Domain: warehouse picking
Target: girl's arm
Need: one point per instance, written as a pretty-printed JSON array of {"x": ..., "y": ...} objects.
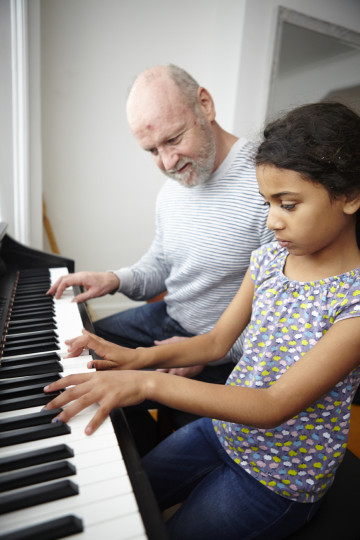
[
  {"x": 329, "y": 361},
  {"x": 188, "y": 352},
  {"x": 315, "y": 374}
]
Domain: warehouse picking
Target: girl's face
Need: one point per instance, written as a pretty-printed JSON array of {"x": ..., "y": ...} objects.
[{"x": 302, "y": 215}]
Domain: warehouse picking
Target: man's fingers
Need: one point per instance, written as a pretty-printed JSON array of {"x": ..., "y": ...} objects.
[
  {"x": 82, "y": 297},
  {"x": 59, "y": 287}
]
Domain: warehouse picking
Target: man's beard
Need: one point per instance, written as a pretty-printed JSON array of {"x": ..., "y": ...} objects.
[{"x": 201, "y": 169}]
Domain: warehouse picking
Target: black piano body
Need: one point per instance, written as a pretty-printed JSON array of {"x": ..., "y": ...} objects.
[{"x": 14, "y": 258}]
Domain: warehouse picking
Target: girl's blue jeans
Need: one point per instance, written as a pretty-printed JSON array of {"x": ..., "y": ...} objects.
[{"x": 220, "y": 500}]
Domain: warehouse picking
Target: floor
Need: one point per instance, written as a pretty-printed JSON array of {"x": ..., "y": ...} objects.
[{"x": 354, "y": 435}]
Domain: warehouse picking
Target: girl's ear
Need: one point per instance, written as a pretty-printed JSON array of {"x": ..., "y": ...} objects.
[{"x": 352, "y": 204}]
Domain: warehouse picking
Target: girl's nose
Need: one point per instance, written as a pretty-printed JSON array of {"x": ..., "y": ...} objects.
[{"x": 274, "y": 221}]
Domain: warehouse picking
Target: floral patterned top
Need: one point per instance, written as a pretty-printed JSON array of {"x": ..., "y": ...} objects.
[{"x": 297, "y": 459}]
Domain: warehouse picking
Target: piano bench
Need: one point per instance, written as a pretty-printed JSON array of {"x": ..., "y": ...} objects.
[{"x": 338, "y": 515}]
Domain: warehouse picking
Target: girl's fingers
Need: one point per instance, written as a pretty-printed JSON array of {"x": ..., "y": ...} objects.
[
  {"x": 72, "y": 410},
  {"x": 76, "y": 345},
  {"x": 79, "y": 405},
  {"x": 92, "y": 340},
  {"x": 99, "y": 417},
  {"x": 101, "y": 365},
  {"x": 69, "y": 380},
  {"x": 85, "y": 341},
  {"x": 71, "y": 394},
  {"x": 103, "y": 388}
]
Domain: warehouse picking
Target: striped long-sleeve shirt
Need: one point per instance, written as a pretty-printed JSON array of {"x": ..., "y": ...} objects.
[{"x": 203, "y": 241}]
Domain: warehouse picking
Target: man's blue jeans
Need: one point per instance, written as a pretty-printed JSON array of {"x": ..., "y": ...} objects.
[
  {"x": 220, "y": 500},
  {"x": 140, "y": 326}
]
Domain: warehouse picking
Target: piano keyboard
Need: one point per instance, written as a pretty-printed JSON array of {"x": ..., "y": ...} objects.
[{"x": 89, "y": 473}]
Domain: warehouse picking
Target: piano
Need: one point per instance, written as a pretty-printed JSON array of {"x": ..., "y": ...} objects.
[{"x": 56, "y": 482}]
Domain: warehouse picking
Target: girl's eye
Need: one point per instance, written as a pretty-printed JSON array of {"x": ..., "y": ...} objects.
[{"x": 288, "y": 206}]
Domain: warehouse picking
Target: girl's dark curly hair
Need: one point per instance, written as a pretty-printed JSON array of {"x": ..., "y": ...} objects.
[{"x": 321, "y": 141}]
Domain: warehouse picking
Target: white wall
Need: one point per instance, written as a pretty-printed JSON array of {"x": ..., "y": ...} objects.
[
  {"x": 258, "y": 40},
  {"x": 99, "y": 186},
  {"x": 6, "y": 133},
  {"x": 315, "y": 82},
  {"x": 20, "y": 114}
]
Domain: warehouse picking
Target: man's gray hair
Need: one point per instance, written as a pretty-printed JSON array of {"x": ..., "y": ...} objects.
[{"x": 186, "y": 84}]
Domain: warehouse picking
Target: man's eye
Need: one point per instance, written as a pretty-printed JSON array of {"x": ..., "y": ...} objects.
[
  {"x": 288, "y": 206},
  {"x": 153, "y": 151},
  {"x": 174, "y": 140}
]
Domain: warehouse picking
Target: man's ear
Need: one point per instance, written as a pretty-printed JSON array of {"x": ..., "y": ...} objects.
[
  {"x": 352, "y": 204},
  {"x": 206, "y": 103}
]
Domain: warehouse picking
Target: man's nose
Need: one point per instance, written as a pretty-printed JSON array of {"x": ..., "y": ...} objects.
[{"x": 168, "y": 158}]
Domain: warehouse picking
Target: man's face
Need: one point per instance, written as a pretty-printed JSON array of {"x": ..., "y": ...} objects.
[{"x": 180, "y": 140}]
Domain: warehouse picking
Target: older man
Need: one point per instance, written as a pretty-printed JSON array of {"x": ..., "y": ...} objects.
[{"x": 209, "y": 217}]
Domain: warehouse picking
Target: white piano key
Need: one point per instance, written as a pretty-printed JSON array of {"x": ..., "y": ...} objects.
[
  {"x": 96, "y": 504},
  {"x": 106, "y": 502},
  {"x": 128, "y": 525}
]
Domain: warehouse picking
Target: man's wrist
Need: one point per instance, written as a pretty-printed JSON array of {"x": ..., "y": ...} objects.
[
  {"x": 116, "y": 281},
  {"x": 126, "y": 280}
]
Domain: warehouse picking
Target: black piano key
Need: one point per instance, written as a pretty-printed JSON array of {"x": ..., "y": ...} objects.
[
  {"x": 44, "y": 379},
  {"x": 29, "y": 349},
  {"x": 13, "y": 341},
  {"x": 28, "y": 420},
  {"x": 37, "y": 495},
  {"x": 33, "y": 433},
  {"x": 35, "y": 273},
  {"x": 27, "y": 293},
  {"x": 37, "y": 286},
  {"x": 32, "y": 308},
  {"x": 24, "y": 288},
  {"x": 30, "y": 317},
  {"x": 24, "y": 359},
  {"x": 26, "y": 401},
  {"x": 41, "y": 312},
  {"x": 31, "y": 368},
  {"x": 48, "y": 530},
  {"x": 40, "y": 315},
  {"x": 33, "y": 284},
  {"x": 25, "y": 285},
  {"x": 35, "y": 457},
  {"x": 19, "y": 329},
  {"x": 36, "y": 475},
  {"x": 31, "y": 338},
  {"x": 45, "y": 300},
  {"x": 21, "y": 391}
]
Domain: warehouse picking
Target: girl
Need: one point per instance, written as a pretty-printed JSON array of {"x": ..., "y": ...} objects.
[{"x": 280, "y": 428}]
